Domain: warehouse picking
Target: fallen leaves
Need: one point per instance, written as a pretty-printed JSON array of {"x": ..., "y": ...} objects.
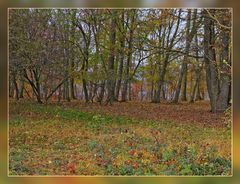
[
  {"x": 71, "y": 167},
  {"x": 124, "y": 146}
]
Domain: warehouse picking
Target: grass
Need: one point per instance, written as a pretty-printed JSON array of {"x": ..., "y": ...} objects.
[{"x": 57, "y": 140}]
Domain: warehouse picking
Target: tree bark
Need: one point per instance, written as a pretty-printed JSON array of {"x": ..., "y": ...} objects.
[
  {"x": 85, "y": 90},
  {"x": 225, "y": 80},
  {"x": 129, "y": 59},
  {"x": 21, "y": 86},
  {"x": 111, "y": 78},
  {"x": 184, "y": 87},
  {"x": 101, "y": 93},
  {"x": 210, "y": 62},
  {"x": 16, "y": 87},
  {"x": 121, "y": 53}
]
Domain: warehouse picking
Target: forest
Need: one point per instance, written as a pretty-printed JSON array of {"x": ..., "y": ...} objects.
[{"x": 110, "y": 91}]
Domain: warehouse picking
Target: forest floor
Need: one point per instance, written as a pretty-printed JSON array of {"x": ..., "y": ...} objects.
[{"x": 132, "y": 138}]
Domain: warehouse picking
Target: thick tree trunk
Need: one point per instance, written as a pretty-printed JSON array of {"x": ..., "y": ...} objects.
[
  {"x": 158, "y": 91},
  {"x": 111, "y": 78},
  {"x": 159, "y": 83},
  {"x": 225, "y": 80},
  {"x": 125, "y": 84},
  {"x": 161, "y": 80},
  {"x": 210, "y": 62},
  {"x": 129, "y": 60},
  {"x": 121, "y": 59},
  {"x": 218, "y": 90}
]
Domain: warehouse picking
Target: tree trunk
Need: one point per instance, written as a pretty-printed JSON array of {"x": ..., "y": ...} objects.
[
  {"x": 225, "y": 80},
  {"x": 72, "y": 88},
  {"x": 101, "y": 93},
  {"x": 21, "y": 86},
  {"x": 218, "y": 89},
  {"x": 199, "y": 95},
  {"x": 129, "y": 91},
  {"x": 11, "y": 88},
  {"x": 184, "y": 87},
  {"x": 129, "y": 60},
  {"x": 121, "y": 53},
  {"x": 111, "y": 78},
  {"x": 85, "y": 90},
  {"x": 16, "y": 87},
  {"x": 38, "y": 89},
  {"x": 210, "y": 62},
  {"x": 196, "y": 88}
]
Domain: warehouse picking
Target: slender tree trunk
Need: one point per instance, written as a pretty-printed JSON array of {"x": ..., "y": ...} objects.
[
  {"x": 189, "y": 37},
  {"x": 16, "y": 87},
  {"x": 141, "y": 90},
  {"x": 85, "y": 90},
  {"x": 59, "y": 94},
  {"x": 159, "y": 85},
  {"x": 196, "y": 87},
  {"x": 11, "y": 88},
  {"x": 21, "y": 86},
  {"x": 85, "y": 69},
  {"x": 72, "y": 57},
  {"x": 38, "y": 88},
  {"x": 184, "y": 87},
  {"x": 101, "y": 93},
  {"x": 72, "y": 88},
  {"x": 169, "y": 44},
  {"x": 158, "y": 91},
  {"x": 151, "y": 93},
  {"x": 129, "y": 91}
]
